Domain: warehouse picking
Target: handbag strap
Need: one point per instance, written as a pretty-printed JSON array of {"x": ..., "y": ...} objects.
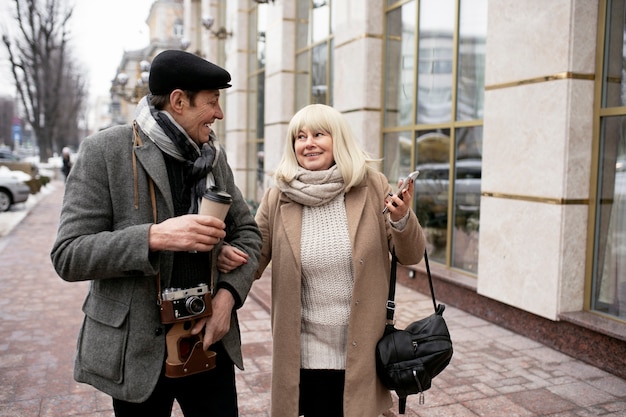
[{"x": 391, "y": 305}]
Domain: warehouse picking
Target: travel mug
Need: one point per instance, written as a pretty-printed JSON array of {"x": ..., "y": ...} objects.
[{"x": 215, "y": 203}]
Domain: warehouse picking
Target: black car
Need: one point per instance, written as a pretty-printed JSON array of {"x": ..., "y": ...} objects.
[{"x": 431, "y": 189}]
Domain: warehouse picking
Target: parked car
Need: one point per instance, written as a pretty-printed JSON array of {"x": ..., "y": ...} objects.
[
  {"x": 8, "y": 155},
  {"x": 13, "y": 161},
  {"x": 13, "y": 189}
]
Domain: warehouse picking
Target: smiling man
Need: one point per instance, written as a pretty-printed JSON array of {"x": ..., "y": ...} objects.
[{"x": 160, "y": 320}]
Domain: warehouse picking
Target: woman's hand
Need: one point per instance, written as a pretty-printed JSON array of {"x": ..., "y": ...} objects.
[
  {"x": 230, "y": 258},
  {"x": 399, "y": 207}
]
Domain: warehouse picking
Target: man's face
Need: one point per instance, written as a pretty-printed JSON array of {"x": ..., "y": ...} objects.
[{"x": 197, "y": 117}]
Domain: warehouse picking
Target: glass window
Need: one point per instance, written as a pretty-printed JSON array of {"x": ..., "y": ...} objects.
[
  {"x": 319, "y": 86},
  {"x": 613, "y": 88},
  {"x": 397, "y": 162},
  {"x": 256, "y": 105},
  {"x": 432, "y": 188},
  {"x": 434, "y": 82},
  {"x": 400, "y": 57},
  {"x": 313, "y": 56},
  {"x": 609, "y": 285},
  {"x": 178, "y": 29},
  {"x": 471, "y": 66},
  {"x": 466, "y": 210},
  {"x": 445, "y": 144},
  {"x": 608, "y": 289},
  {"x": 320, "y": 21}
]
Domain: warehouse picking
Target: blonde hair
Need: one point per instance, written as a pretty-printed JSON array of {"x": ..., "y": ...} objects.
[{"x": 351, "y": 160}]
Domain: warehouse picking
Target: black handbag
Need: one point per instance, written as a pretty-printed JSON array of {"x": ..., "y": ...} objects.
[{"x": 407, "y": 360}]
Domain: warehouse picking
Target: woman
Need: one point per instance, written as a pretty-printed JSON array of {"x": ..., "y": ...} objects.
[{"x": 324, "y": 229}]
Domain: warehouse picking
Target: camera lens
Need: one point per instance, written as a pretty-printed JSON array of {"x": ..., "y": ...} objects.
[{"x": 194, "y": 304}]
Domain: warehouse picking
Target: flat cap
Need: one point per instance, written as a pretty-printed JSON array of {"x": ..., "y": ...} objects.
[{"x": 174, "y": 69}]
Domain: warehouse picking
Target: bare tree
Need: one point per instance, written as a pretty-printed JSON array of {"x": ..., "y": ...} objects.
[
  {"x": 71, "y": 124},
  {"x": 48, "y": 85}
]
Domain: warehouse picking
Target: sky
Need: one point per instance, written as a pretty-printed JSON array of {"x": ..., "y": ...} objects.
[{"x": 100, "y": 32}]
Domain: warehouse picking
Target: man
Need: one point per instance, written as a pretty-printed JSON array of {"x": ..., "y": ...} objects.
[{"x": 108, "y": 234}]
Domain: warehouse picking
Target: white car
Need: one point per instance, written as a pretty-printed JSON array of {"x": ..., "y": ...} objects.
[{"x": 13, "y": 189}]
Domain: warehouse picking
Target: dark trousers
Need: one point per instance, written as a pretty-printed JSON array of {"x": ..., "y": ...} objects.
[
  {"x": 321, "y": 392},
  {"x": 207, "y": 394}
]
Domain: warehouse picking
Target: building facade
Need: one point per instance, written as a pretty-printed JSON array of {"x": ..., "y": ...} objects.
[{"x": 511, "y": 111}]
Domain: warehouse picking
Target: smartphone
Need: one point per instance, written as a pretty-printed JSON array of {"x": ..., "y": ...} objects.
[{"x": 405, "y": 184}]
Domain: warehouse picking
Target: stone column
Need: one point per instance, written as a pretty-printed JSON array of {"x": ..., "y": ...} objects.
[{"x": 538, "y": 128}]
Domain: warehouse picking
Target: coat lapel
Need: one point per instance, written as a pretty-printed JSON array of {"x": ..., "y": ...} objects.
[
  {"x": 150, "y": 158},
  {"x": 355, "y": 203},
  {"x": 292, "y": 215}
]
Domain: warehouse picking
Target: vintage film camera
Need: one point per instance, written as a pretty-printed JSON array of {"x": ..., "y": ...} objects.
[
  {"x": 181, "y": 307},
  {"x": 185, "y": 304}
]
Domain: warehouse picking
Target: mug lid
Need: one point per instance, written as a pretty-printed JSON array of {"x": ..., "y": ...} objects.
[{"x": 217, "y": 196}]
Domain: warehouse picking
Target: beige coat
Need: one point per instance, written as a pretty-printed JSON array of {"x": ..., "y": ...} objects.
[{"x": 280, "y": 221}]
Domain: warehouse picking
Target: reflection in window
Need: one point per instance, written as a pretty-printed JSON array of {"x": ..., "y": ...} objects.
[
  {"x": 466, "y": 209},
  {"x": 321, "y": 19},
  {"x": 436, "y": 29},
  {"x": 609, "y": 289},
  {"x": 400, "y": 56},
  {"x": 319, "y": 85},
  {"x": 397, "y": 161},
  {"x": 471, "y": 65},
  {"x": 432, "y": 188},
  {"x": 178, "y": 29},
  {"x": 313, "y": 58},
  {"x": 256, "y": 105},
  {"x": 609, "y": 275},
  {"x": 419, "y": 95},
  {"x": 613, "y": 88}
]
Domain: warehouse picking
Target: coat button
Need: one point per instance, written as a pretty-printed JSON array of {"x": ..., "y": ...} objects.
[
  {"x": 158, "y": 331},
  {"x": 354, "y": 344}
]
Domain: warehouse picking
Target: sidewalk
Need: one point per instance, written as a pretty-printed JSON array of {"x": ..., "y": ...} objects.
[{"x": 494, "y": 372}]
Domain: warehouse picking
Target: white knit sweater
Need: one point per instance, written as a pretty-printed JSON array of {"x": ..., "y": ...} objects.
[{"x": 327, "y": 282}]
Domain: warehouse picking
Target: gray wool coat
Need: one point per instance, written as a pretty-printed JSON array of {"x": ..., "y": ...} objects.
[{"x": 103, "y": 238}]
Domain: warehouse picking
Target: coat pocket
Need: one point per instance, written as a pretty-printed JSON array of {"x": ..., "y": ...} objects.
[{"x": 104, "y": 336}]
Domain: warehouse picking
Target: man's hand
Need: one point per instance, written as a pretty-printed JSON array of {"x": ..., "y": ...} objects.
[
  {"x": 191, "y": 232},
  {"x": 216, "y": 325}
]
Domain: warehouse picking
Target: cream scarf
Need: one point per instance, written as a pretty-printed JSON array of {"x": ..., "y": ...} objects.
[{"x": 313, "y": 188}]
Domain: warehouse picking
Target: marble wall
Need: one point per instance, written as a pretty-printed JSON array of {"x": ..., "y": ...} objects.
[{"x": 537, "y": 154}]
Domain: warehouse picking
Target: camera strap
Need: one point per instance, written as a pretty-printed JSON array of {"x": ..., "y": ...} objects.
[{"x": 138, "y": 142}]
